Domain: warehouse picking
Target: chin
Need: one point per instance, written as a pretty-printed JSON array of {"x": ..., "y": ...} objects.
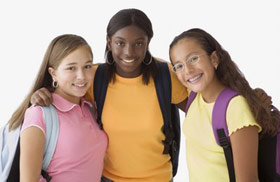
[{"x": 195, "y": 89}]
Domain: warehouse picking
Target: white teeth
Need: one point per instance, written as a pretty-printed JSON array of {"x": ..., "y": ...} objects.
[
  {"x": 195, "y": 78},
  {"x": 79, "y": 85},
  {"x": 128, "y": 60}
]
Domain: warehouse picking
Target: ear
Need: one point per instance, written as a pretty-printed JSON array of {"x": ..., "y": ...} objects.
[
  {"x": 214, "y": 59},
  {"x": 52, "y": 73},
  {"x": 108, "y": 43}
]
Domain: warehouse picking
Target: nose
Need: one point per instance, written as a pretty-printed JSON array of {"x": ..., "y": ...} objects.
[
  {"x": 80, "y": 74},
  {"x": 188, "y": 69},
  {"x": 128, "y": 51}
]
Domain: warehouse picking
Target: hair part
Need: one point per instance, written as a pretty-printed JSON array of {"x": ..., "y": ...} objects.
[
  {"x": 122, "y": 19},
  {"x": 230, "y": 75},
  {"x": 59, "y": 48}
]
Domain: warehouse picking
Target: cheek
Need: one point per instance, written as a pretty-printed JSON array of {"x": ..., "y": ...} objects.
[
  {"x": 64, "y": 76},
  {"x": 181, "y": 78},
  {"x": 210, "y": 72},
  {"x": 89, "y": 75}
]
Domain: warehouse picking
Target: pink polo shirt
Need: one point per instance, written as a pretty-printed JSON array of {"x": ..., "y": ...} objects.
[{"x": 81, "y": 145}]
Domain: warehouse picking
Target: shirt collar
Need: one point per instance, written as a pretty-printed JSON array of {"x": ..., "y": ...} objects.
[{"x": 64, "y": 105}]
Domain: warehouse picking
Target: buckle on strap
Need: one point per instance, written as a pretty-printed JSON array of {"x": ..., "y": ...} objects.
[{"x": 224, "y": 142}]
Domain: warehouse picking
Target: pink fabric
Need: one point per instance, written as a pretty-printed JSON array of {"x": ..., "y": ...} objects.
[{"x": 81, "y": 144}]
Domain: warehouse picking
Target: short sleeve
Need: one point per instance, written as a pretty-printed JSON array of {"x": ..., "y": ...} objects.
[
  {"x": 34, "y": 117},
  {"x": 179, "y": 91},
  {"x": 239, "y": 115}
]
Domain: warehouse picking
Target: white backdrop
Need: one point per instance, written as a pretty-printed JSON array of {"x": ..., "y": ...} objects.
[{"x": 249, "y": 30}]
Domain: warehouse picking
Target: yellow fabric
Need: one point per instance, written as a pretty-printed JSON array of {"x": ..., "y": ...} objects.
[
  {"x": 133, "y": 121},
  {"x": 205, "y": 158}
]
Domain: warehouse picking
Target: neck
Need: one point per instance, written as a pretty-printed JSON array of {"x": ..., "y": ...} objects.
[
  {"x": 213, "y": 90},
  {"x": 75, "y": 100}
]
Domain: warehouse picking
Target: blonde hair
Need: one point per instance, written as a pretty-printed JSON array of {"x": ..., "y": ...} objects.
[{"x": 58, "y": 49}]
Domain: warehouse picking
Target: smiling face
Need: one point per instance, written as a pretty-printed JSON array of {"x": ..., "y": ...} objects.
[
  {"x": 199, "y": 76},
  {"x": 74, "y": 75},
  {"x": 129, "y": 46}
]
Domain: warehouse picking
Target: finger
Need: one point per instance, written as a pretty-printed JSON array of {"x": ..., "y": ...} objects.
[
  {"x": 46, "y": 92},
  {"x": 37, "y": 101},
  {"x": 44, "y": 99}
]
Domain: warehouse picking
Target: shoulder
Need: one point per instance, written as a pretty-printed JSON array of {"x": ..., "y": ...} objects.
[
  {"x": 34, "y": 117},
  {"x": 238, "y": 103},
  {"x": 34, "y": 111},
  {"x": 239, "y": 114}
]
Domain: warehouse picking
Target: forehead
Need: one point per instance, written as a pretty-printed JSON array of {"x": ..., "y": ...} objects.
[
  {"x": 184, "y": 48},
  {"x": 79, "y": 55},
  {"x": 188, "y": 44},
  {"x": 130, "y": 32}
]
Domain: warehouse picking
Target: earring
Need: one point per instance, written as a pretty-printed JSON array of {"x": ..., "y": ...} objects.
[
  {"x": 54, "y": 84},
  {"x": 106, "y": 58},
  {"x": 151, "y": 59},
  {"x": 216, "y": 67}
]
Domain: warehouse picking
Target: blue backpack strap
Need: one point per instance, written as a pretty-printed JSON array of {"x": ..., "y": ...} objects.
[
  {"x": 52, "y": 131},
  {"x": 101, "y": 82},
  {"x": 190, "y": 100},
  {"x": 220, "y": 129},
  {"x": 9, "y": 154},
  {"x": 170, "y": 113}
]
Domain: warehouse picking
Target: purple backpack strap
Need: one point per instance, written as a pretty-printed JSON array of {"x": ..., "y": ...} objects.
[
  {"x": 190, "y": 100},
  {"x": 220, "y": 111}
]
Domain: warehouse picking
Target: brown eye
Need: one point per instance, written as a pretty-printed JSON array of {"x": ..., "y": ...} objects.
[
  {"x": 119, "y": 43},
  {"x": 193, "y": 60},
  {"x": 139, "y": 44}
]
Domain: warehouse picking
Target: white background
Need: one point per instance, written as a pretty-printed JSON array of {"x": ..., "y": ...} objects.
[{"x": 249, "y": 30}]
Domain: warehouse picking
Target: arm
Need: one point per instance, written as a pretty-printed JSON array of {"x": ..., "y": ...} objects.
[
  {"x": 245, "y": 153},
  {"x": 32, "y": 142},
  {"x": 41, "y": 97}
]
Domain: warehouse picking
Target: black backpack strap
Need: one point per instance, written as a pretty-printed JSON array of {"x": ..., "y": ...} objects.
[
  {"x": 224, "y": 142},
  {"x": 14, "y": 172},
  {"x": 170, "y": 113},
  {"x": 163, "y": 89},
  {"x": 101, "y": 82},
  {"x": 46, "y": 175}
]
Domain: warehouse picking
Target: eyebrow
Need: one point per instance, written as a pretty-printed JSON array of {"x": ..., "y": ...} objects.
[
  {"x": 187, "y": 57},
  {"x": 140, "y": 38},
  {"x": 69, "y": 64}
]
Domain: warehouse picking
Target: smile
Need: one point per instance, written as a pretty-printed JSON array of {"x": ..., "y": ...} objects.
[
  {"x": 80, "y": 85},
  {"x": 128, "y": 60},
  {"x": 193, "y": 79}
]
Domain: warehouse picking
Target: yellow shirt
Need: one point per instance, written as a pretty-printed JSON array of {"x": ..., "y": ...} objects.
[
  {"x": 205, "y": 158},
  {"x": 133, "y": 122}
]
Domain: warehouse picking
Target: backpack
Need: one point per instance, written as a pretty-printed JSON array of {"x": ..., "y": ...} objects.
[
  {"x": 170, "y": 113},
  {"x": 269, "y": 147},
  {"x": 10, "y": 147}
]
